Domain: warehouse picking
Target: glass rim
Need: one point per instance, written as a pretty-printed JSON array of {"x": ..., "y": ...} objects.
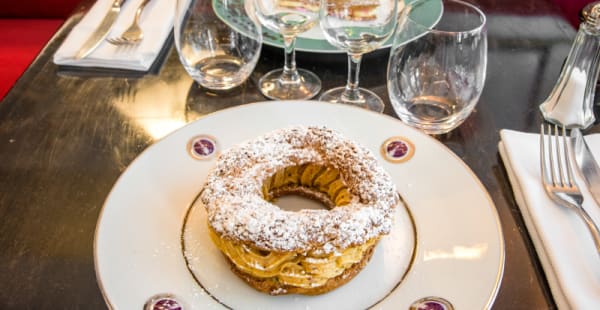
[{"x": 432, "y": 29}]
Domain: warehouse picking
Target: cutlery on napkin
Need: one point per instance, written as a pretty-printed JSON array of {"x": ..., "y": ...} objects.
[
  {"x": 101, "y": 31},
  {"x": 564, "y": 246},
  {"x": 587, "y": 164},
  {"x": 156, "y": 22}
]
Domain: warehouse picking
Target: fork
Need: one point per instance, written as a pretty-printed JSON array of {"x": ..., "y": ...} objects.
[
  {"x": 558, "y": 181},
  {"x": 133, "y": 34}
]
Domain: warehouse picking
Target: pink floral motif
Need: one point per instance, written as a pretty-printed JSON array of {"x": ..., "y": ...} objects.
[
  {"x": 397, "y": 149},
  {"x": 431, "y": 303},
  {"x": 204, "y": 147},
  {"x": 166, "y": 304}
]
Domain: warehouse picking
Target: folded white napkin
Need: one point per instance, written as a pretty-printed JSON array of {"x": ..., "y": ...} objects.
[
  {"x": 561, "y": 239},
  {"x": 156, "y": 21}
]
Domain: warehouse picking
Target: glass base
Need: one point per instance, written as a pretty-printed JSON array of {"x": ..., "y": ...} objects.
[
  {"x": 367, "y": 99},
  {"x": 433, "y": 128},
  {"x": 433, "y": 114},
  {"x": 273, "y": 87}
]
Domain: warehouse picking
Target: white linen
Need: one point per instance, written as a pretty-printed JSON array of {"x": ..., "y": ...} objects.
[
  {"x": 561, "y": 239},
  {"x": 156, "y": 22}
]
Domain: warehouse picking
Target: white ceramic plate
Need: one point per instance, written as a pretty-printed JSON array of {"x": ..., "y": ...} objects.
[{"x": 459, "y": 252}]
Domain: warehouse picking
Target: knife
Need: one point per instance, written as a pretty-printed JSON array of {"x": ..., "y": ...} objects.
[
  {"x": 587, "y": 164},
  {"x": 100, "y": 33}
]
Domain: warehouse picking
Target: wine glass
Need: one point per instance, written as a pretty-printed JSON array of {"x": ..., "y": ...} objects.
[
  {"x": 289, "y": 19},
  {"x": 436, "y": 75},
  {"x": 218, "y": 41},
  {"x": 358, "y": 27}
]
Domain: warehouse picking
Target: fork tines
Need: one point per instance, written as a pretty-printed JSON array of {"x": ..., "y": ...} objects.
[{"x": 554, "y": 148}]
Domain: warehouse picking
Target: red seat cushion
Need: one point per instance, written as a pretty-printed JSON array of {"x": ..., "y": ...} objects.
[
  {"x": 37, "y": 8},
  {"x": 22, "y": 40},
  {"x": 570, "y": 9}
]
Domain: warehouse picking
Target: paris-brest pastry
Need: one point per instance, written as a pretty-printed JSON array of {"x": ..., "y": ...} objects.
[{"x": 308, "y": 251}]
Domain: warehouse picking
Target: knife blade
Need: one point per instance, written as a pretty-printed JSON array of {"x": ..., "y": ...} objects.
[
  {"x": 101, "y": 32},
  {"x": 587, "y": 164}
]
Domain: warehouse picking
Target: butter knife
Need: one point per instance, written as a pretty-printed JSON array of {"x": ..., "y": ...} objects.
[
  {"x": 100, "y": 33},
  {"x": 587, "y": 164}
]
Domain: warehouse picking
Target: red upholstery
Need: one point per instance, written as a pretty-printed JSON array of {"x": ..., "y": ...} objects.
[
  {"x": 37, "y": 8},
  {"x": 571, "y": 8},
  {"x": 22, "y": 40},
  {"x": 25, "y": 28}
]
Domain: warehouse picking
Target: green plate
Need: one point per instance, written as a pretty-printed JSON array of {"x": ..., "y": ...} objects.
[{"x": 313, "y": 41}]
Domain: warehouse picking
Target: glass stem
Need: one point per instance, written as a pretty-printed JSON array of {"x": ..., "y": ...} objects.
[
  {"x": 351, "y": 93},
  {"x": 290, "y": 73}
]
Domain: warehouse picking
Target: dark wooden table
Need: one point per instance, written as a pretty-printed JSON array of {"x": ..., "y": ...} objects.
[{"x": 66, "y": 136}]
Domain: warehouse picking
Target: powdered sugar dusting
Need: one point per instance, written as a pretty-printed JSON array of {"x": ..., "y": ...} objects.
[{"x": 236, "y": 209}]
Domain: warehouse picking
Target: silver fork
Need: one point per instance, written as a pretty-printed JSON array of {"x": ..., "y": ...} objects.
[
  {"x": 133, "y": 34},
  {"x": 557, "y": 177}
]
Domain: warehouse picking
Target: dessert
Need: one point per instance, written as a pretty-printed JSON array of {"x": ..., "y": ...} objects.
[
  {"x": 308, "y": 251},
  {"x": 361, "y": 10},
  {"x": 354, "y": 9}
]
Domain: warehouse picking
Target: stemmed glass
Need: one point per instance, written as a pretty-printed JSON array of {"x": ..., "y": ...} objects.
[
  {"x": 358, "y": 27},
  {"x": 289, "y": 20}
]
